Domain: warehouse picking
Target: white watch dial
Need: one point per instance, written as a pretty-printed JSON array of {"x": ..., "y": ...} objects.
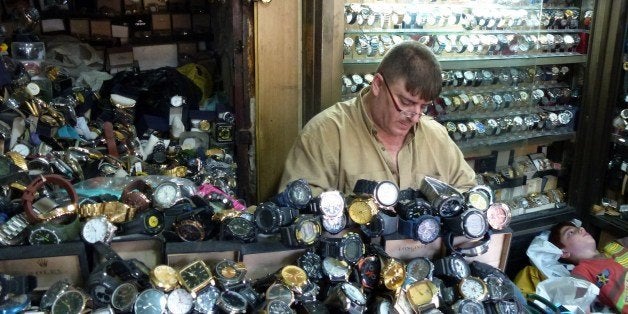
[
  {"x": 180, "y": 301},
  {"x": 166, "y": 194},
  {"x": 21, "y": 149},
  {"x": 94, "y": 230}
]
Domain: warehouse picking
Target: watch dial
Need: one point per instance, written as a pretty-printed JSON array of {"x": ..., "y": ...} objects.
[
  {"x": 353, "y": 293},
  {"x": 48, "y": 298},
  {"x": 332, "y": 203},
  {"x": 95, "y": 230},
  {"x": 506, "y": 307},
  {"x": 150, "y": 301},
  {"x": 278, "y": 307},
  {"x": 69, "y": 302},
  {"x": 386, "y": 193},
  {"x": 300, "y": 193},
  {"x": 460, "y": 267},
  {"x": 420, "y": 293},
  {"x": 279, "y": 291},
  {"x": 475, "y": 224},
  {"x": 370, "y": 268},
  {"x": 418, "y": 269},
  {"x": 229, "y": 270},
  {"x": 124, "y": 296},
  {"x": 190, "y": 231},
  {"x": 450, "y": 207},
  {"x": 353, "y": 248},
  {"x": 335, "y": 268},
  {"x": 308, "y": 232},
  {"x": 180, "y": 301},
  {"x": 154, "y": 224},
  {"x": 311, "y": 263},
  {"x": 473, "y": 288},
  {"x": 471, "y": 307},
  {"x": 265, "y": 218},
  {"x": 166, "y": 194},
  {"x": 478, "y": 200},
  {"x": 239, "y": 226},
  {"x": 206, "y": 301},
  {"x": 498, "y": 216},
  {"x": 43, "y": 236},
  {"x": 428, "y": 230},
  {"x": 195, "y": 275}
]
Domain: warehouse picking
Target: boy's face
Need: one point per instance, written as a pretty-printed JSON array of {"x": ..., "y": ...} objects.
[{"x": 576, "y": 240}]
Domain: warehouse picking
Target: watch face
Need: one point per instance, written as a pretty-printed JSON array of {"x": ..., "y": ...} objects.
[
  {"x": 335, "y": 268},
  {"x": 418, "y": 269},
  {"x": 420, "y": 292},
  {"x": 230, "y": 271},
  {"x": 267, "y": 217},
  {"x": 49, "y": 296},
  {"x": 150, "y": 301},
  {"x": 332, "y": 203},
  {"x": 166, "y": 194},
  {"x": 311, "y": 263},
  {"x": 69, "y": 302},
  {"x": 308, "y": 231},
  {"x": 195, "y": 276},
  {"x": 473, "y": 288},
  {"x": 394, "y": 274},
  {"x": 95, "y": 229},
  {"x": 180, "y": 301},
  {"x": 386, "y": 193},
  {"x": 506, "y": 307},
  {"x": 294, "y": 277},
  {"x": 164, "y": 277},
  {"x": 353, "y": 293},
  {"x": 475, "y": 224},
  {"x": 353, "y": 247},
  {"x": 428, "y": 230},
  {"x": 478, "y": 200},
  {"x": 460, "y": 267},
  {"x": 21, "y": 149},
  {"x": 154, "y": 223},
  {"x": 43, "y": 236},
  {"x": 240, "y": 227},
  {"x": 498, "y": 216},
  {"x": 370, "y": 268},
  {"x": 124, "y": 296},
  {"x": 190, "y": 230},
  {"x": 279, "y": 291},
  {"x": 232, "y": 301},
  {"x": 278, "y": 307},
  {"x": 300, "y": 193},
  {"x": 206, "y": 301},
  {"x": 470, "y": 307},
  {"x": 361, "y": 211},
  {"x": 450, "y": 207},
  {"x": 334, "y": 225}
]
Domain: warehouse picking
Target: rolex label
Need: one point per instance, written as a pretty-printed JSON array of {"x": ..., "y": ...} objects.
[{"x": 48, "y": 270}]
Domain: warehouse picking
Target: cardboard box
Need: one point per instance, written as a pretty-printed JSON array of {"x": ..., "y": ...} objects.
[
  {"x": 148, "y": 250},
  {"x": 100, "y": 28},
  {"x": 119, "y": 57},
  {"x": 267, "y": 256},
  {"x": 406, "y": 249},
  {"x": 181, "y": 22},
  {"x": 156, "y": 56},
  {"x": 79, "y": 28},
  {"x": 161, "y": 22}
]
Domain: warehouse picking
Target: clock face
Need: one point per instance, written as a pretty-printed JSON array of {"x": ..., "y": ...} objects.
[
  {"x": 418, "y": 269},
  {"x": 353, "y": 249},
  {"x": 478, "y": 200},
  {"x": 498, "y": 216},
  {"x": 300, "y": 193},
  {"x": 239, "y": 226},
  {"x": 195, "y": 275},
  {"x": 190, "y": 231},
  {"x": 420, "y": 293},
  {"x": 124, "y": 296},
  {"x": 308, "y": 232},
  {"x": 460, "y": 267},
  {"x": 279, "y": 291},
  {"x": 43, "y": 236},
  {"x": 69, "y": 302},
  {"x": 428, "y": 230},
  {"x": 95, "y": 230}
]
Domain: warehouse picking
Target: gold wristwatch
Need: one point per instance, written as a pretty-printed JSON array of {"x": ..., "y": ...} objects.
[
  {"x": 294, "y": 277},
  {"x": 393, "y": 273},
  {"x": 195, "y": 276},
  {"x": 362, "y": 210},
  {"x": 421, "y": 293},
  {"x": 164, "y": 277},
  {"x": 116, "y": 212}
]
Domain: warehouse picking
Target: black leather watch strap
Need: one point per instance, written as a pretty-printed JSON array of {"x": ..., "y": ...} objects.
[
  {"x": 140, "y": 224},
  {"x": 364, "y": 187},
  {"x": 330, "y": 247},
  {"x": 287, "y": 236}
]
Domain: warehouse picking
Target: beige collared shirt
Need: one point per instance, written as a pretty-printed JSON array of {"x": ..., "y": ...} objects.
[{"x": 339, "y": 146}]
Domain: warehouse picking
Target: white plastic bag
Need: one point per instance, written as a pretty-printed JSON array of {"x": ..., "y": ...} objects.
[{"x": 573, "y": 293}]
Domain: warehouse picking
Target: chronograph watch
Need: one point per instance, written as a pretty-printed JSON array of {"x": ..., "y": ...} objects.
[{"x": 425, "y": 228}]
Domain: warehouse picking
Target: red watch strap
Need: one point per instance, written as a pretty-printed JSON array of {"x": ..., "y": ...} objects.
[
  {"x": 29, "y": 194},
  {"x": 112, "y": 148}
]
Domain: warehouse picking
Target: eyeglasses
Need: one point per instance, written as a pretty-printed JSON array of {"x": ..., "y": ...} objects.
[{"x": 406, "y": 113}]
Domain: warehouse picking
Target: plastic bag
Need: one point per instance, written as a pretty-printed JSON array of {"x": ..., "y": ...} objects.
[
  {"x": 545, "y": 255},
  {"x": 573, "y": 293}
]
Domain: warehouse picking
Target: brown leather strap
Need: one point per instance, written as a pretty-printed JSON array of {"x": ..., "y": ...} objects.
[
  {"x": 112, "y": 148},
  {"x": 28, "y": 196}
]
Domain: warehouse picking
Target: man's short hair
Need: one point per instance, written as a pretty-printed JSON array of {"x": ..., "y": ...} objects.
[
  {"x": 414, "y": 62},
  {"x": 554, "y": 235}
]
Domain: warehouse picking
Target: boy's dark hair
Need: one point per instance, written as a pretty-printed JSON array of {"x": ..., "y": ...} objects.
[{"x": 554, "y": 236}]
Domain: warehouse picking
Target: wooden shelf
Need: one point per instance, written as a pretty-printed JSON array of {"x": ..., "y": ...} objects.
[{"x": 483, "y": 149}]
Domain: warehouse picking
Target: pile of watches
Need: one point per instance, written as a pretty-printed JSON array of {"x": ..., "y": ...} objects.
[
  {"x": 401, "y": 16},
  {"x": 510, "y": 127},
  {"x": 314, "y": 284},
  {"x": 15, "y": 292}
]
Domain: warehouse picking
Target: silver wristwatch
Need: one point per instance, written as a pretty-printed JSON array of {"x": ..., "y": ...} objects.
[{"x": 12, "y": 232}]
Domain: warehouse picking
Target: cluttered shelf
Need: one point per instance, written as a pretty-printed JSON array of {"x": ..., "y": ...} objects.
[{"x": 535, "y": 222}]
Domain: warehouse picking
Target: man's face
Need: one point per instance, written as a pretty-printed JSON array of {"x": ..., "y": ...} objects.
[
  {"x": 403, "y": 109},
  {"x": 576, "y": 239}
]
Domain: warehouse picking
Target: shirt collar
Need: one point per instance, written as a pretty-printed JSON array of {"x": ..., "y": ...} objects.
[{"x": 369, "y": 122}]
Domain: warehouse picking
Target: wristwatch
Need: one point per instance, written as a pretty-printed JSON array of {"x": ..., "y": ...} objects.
[
  {"x": 71, "y": 301},
  {"x": 369, "y": 270},
  {"x": 335, "y": 269},
  {"x": 473, "y": 288},
  {"x": 347, "y": 297},
  {"x": 206, "y": 299},
  {"x": 443, "y": 197},
  {"x": 232, "y": 302},
  {"x": 124, "y": 296},
  {"x": 312, "y": 264},
  {"x": 393, "y": 273},
  {"x": 229, "y": 273},
  {"x": 421, "y": 295},
  {"x": 195, "y": 276},
  {"x": 383, "y": 223},
  {"x": 196, "y": 225},
  {"x": 477, "y": 248},
  {"x": 418, "y": 269},
  {"x": 28, "y": 196},
  {"x": 150, "y": 301},
  {"x": 98, "y": 229},
  {"x": 329, "y": 203},
  {"x": 498, "y": 289},
  {"x": 16, "y": 285},
  {"x": 53, "y": 233},
  {"x": 169, "y": 192},
  {"x": 179, "y": 301},
  {"x": 137, "y": 194},
  {"x": 270, "y": 217},
  {"x": 425, "y": 228},
  {"x": 294, "y": 277},
  {"x": 479, "y": 197},
  {"x": 471, "y": 224},
  {"x": 362, "y": 210},
  {"x": 238, "y": 228},
  {"x": 451, "y": 267},
  {"x": 114, "y": 211},
  {"x": 334, "y": 225},
  {"x": 385, "y": 193},
  {"x": 53, "y": 292},
  {"x": 164, "y": 277},
  {"x": 349, "y": 248},
  {"x": 297, "y": 195},
  {"x": 467, "y": 306},
  {"x": 279, "y": 291},
  {"x": 150, "y": 222},
  {"x": 305, "y": 231},
  {"x": 414, "y": 208},
  {"x": 498, "y": 216}
]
